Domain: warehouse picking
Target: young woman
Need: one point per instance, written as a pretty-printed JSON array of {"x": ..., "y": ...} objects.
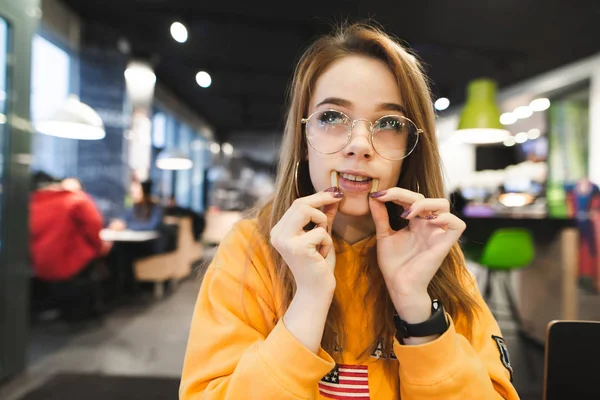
[{"x": 350, "y": 282}]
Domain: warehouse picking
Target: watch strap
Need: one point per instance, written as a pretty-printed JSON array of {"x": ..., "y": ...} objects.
[{"x": 435, "y": 325}]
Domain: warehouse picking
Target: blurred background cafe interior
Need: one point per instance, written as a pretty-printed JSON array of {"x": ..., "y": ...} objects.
[{"x": 135, "y": 134}]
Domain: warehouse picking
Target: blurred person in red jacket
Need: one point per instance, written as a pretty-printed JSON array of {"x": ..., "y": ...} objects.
[{"x": 64, "y": 226}]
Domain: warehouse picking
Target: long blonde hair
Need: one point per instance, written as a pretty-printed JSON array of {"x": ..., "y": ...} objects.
[{"x": 421, "y": 170}]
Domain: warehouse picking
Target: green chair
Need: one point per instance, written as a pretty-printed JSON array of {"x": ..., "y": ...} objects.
[{"x": 506, "y": 250}]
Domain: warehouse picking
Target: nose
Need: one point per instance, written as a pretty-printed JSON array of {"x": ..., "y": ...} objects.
[{"x": 360, "y": 141}]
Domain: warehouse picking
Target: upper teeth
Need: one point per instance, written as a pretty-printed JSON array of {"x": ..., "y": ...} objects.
[{"x": 357, "y": 178}]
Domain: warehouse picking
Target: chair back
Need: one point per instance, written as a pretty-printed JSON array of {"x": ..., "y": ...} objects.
[
  {"x": 188, "y": 249},
  {"x": 571, "y": 359},
  {"x": 508, "y": 248}
]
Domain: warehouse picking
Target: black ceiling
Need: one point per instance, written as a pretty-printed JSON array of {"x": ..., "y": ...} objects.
[{"x": 250, "y": 47}]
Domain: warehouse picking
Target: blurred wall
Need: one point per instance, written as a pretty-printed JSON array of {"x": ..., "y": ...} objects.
[
  {"x": 102, "y": 164},
  {"x": 458, "y": 159},
  {"x": 60, "y": 20},
  {"x": 260, "y": 146}
]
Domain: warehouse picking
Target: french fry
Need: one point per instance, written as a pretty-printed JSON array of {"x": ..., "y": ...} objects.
[
  {"x": 374, "y": 185},
  {"x": 334, "y": 179}
]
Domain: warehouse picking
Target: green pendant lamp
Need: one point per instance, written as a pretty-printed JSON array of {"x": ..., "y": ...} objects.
[{"x": 480, "y": 118}]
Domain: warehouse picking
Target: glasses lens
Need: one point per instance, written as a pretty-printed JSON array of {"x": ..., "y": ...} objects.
[
  {"x": 394, "y": 137},
  {"x": 328, "y": 131}
]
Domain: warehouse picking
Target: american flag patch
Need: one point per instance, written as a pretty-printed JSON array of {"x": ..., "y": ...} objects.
[{"x": 346, "y": 382}]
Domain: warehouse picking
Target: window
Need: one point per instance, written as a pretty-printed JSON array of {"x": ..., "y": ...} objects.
[
  {"x": 50, "y": 86},
  {"x": 187, "y": 186}
]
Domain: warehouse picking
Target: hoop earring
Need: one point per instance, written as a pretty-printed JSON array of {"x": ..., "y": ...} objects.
[
  {"x": 418, "y": 191},
  {"x": 296, "y": 178}
]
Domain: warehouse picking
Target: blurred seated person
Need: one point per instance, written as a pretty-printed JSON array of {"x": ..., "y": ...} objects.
[
  {"x": 198, "y": 220},
  {"x": 64, "y": 239},
  {"x": 145, "y": 215}
]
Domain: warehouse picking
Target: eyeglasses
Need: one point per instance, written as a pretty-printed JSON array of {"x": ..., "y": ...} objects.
[{"x": 393, "y": 137}]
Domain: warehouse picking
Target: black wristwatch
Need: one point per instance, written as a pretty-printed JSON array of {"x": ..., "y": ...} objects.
[{"x": 435, "y": 325}]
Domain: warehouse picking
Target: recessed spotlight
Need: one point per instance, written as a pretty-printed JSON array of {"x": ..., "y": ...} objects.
[
  {"x": 521, "y": 137},
  {"x": 441, "y": 104},
  {"x": 203, "y": 79},
  {"x": 541, "y": 104},
  {"x": 533, "y": 133},
  {"x": 508, "y": 119},
  {"x": 227, "y": 148},
  {"x": 215, "y": 148},
  {"x": 523, "y": 112},
  {"x": 197, "y": 145},
  {"x": 179, "y": 32}
]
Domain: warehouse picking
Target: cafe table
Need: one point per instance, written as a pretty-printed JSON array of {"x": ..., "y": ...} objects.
[
  {"x": 123, "y": 268},
  {"x": 127, "y": 235}
]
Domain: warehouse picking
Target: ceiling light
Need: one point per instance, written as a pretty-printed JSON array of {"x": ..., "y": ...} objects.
[
  {"x": 480, "y": 118},
  {"x": 523, "y": 112},
  {"x": 140, "y": 73},
  {"x": 515, "y": 199},
  {"x": 508, "y": 118},
  {"x": 227, "y": 148},
  {"x": 73, "y": 120},
  {"x": 140, "y": 81},
  {"x": 215, "y": 148},
  {"x": 521, "y": 137},
  {"x": 441, "y": 104},
  {"x": 124, "y": 46},
  {"x": 509, "y": 142},
  {"x": 197, "y": 145},
  {"x": 173, "y": 160},
  {"x": 533, "y": 134},
  {"x": 203, "y": 79},
  {"x": 179, "y": 32},
  {"x": 540, "y": 104}
]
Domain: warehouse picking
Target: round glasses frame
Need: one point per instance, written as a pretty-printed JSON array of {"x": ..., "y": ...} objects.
[{"x": 418, "y": 132}]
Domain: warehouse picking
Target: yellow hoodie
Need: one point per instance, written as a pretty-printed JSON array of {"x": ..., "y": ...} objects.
[{"x": 239, "y": 347}]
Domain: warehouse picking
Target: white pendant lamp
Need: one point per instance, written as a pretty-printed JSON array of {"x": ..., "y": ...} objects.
[
  {"x": 73, "y": 120},
  {"x": 173, "y": 160}
]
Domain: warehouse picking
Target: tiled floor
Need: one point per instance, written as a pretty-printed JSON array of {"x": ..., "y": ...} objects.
[
  {"x": 150, "y": 340},
  {"x": 145, "y": 340}
]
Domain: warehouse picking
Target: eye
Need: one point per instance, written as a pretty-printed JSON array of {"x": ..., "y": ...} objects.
[
  {"x": 332, "y": 118},
  {"x": 390, "y": 124}
]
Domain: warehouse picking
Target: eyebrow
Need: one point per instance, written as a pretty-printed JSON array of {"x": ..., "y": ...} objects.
[{"x": 336, "y": 101}]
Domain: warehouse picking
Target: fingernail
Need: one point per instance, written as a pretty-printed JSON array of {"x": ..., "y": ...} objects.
[
  {"x": 378, "y": 194},
  {"x": 431, "y": 216},
  {"x": 337, "y": 195},
  {"x": 405, "y": 213},
  {"x": 331, "y": 189}
]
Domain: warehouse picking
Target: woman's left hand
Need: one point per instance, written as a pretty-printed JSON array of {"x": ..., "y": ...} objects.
[{"x": 410, "y": 257}]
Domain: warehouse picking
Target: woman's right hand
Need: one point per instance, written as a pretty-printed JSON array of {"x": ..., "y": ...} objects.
[{"x": 310, "y": 255}]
